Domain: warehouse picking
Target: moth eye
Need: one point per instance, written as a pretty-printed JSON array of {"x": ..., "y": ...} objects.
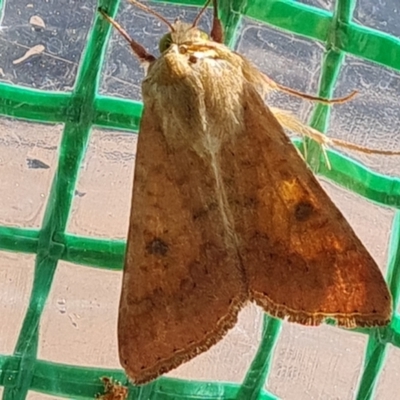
[
  {"x": 165, "y": 42},
  {"x": 203, "y": 35}
]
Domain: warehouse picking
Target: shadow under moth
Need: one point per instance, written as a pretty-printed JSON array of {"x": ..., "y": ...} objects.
[{"x": 226, "y": 211}]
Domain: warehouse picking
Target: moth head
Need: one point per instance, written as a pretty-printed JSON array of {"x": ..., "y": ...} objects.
[
  {"x": 182, "y": 34},
  {"x": 179, "y": 32}
]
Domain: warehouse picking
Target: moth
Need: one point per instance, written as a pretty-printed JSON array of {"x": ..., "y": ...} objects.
[{"x": 225, "y": 211}]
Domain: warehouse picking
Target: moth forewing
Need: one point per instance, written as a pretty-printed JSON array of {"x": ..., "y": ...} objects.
[
  {"x": 302, "y": 259},
  {"x": 183, "y": 283},
  {"x": 224, "y": 210}
]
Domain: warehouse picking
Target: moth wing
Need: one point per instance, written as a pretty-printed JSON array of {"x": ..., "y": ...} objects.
[
  {"x": 302, "y": 259},
  {"x": 182, "y": 283}
]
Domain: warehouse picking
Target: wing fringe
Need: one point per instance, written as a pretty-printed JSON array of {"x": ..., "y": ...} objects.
[
  {"x": 163, "y": 366},
  {"x": 348, "y": 321}
]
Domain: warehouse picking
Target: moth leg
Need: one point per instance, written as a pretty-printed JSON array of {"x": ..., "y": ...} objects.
[
  {"x": 290, "y": 122},
  {"x": 305, "y": 149},
  {"x": 137, "y": 48},
  {"x": 362, "y": 149},
  {"x": 328, "y": 163},
  {"x": 217, "y": 31}
]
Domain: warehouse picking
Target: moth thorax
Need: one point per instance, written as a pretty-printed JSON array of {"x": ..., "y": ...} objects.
[
  {"x": 195, "y": 99},
  {"x": 223, "y": 94}
]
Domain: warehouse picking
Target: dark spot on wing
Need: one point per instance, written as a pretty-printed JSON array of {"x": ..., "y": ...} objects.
[
  {"x": 303, "y": 211},
  {"x": 157, "y": 247}
]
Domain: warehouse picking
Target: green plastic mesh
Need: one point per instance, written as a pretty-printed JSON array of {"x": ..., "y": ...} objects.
[{"x": 83, "y": 108}]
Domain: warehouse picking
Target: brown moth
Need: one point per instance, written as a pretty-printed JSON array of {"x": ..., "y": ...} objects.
[{"x": 225, "y": 211}]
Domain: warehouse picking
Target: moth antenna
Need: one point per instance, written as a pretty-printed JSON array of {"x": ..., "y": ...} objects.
[
  {"x": 322, "y": 100},
  {"x": 201, "y": 12},
  {"x": 137, "y": 48},
  {"x": 151, "y": 11},
  {"x": 276, "y": 86}
]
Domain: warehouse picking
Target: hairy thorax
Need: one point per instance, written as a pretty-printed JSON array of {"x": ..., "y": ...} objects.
[{"x": 191, "y": 88}]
